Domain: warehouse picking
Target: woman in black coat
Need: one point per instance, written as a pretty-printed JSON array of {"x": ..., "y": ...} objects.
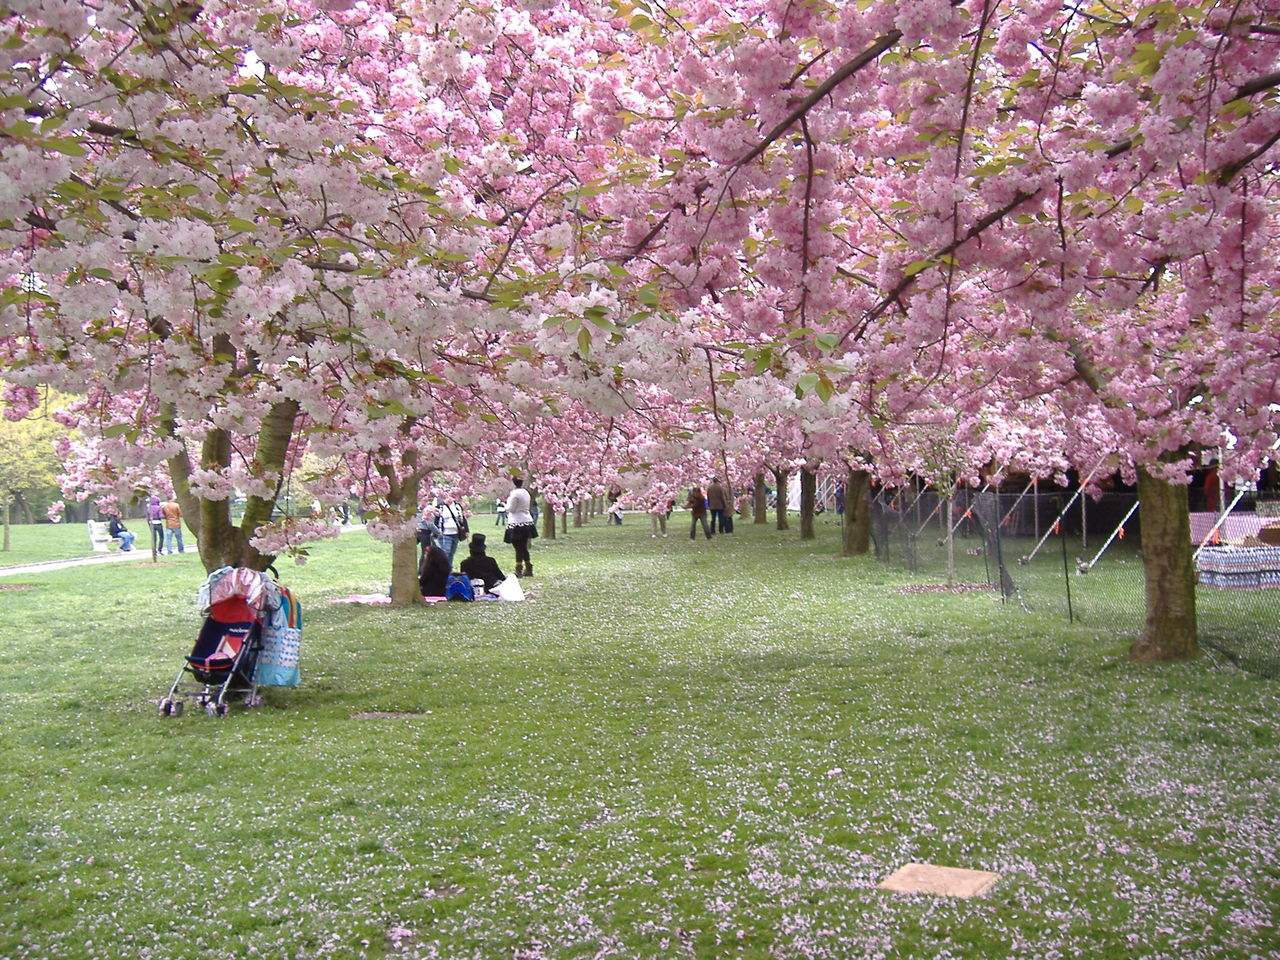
[
  {"x": 434, "y": 570},
  {"x": 480, "y": 566}
]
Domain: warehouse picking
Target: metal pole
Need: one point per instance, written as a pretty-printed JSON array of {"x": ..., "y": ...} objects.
[
  {"x": 1062, "y": 514},
  {"x": 1114, "y": 533},
  {"x": 1220, "y": 521},
  {"x": 1035, "y": 500},
  {"x": 1084, "y": 520},
  {"x": 1005, "y": 519},
  {"x": 1066, "y": 578}
]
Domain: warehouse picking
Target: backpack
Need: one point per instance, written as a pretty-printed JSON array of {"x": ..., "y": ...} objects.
[
  {"x": 459, "y": 521},
  {"x": 458, "y": 587}
]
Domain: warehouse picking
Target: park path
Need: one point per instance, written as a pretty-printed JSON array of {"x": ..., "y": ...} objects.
[{"x": 47, "y": 566}]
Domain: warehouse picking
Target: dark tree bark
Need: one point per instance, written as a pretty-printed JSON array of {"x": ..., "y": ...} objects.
[
  {"x": 856, "y": 539},
  {"x": 780, "y": 478},
  {"x": 5, "y": 546},
  {"x": 578, "y": 509},
  {"x": 219, "y": 541},
  {"x": 1169, "y": 569},
  {"x": 564, "y": 521},
  {"x": 548, "y": 520},
  {"x": 808, "y": 502},
  {"x": 760, "y": 500}
]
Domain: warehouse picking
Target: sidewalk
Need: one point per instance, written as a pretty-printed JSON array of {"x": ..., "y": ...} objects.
[{"x": 45, "y": 566}]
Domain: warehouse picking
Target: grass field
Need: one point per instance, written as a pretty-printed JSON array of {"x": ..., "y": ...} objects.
[
  {"x": 674, "y": 750},
  {"x": 34, "y": 542}
]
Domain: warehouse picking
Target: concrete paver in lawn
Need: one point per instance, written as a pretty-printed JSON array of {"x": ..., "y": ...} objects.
[{"x": 940, "y": 881}]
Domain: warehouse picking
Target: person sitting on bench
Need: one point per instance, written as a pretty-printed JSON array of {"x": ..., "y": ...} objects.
[{"x": 119, "y": 532}]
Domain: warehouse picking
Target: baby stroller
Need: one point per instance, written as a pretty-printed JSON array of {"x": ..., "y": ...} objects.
[{"x": 225, "y": 657}]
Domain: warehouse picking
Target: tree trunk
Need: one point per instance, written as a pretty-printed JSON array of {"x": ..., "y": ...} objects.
[
  {"x": 405, "y": 591},
  {"x": 564, "y": 521},
  {"x": 6, "y": 546},
  {"x": 219, "y": 541},
  {"x": 856, "y": 535},
  {"x": 780, "y": 479},
  {"x": 578, "y": 509},
  {"x": 808, "y": 501},
  {"x": 760, "y": 500},
  {"x": 24, "y": 507},
  {"x": 1167, "y": 565},
  {"x": 548, "y": 520}
]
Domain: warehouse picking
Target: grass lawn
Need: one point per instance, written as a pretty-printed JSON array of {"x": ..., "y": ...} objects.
[
  {"x": 676, "y": 749},
  {"x": 34, "y": 542}
]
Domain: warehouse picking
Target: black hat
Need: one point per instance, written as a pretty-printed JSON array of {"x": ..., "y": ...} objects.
[{"x": 477, "y": 541}]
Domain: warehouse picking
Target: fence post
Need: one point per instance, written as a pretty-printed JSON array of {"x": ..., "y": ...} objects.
[
  {"x": 1035, "y": 503},
  {"x": 1066, "y": 575}
]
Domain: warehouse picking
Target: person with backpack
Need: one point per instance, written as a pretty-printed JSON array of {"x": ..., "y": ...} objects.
[
  {"x": 452, "y": 522},
  {"x": 480, "y": 566},
  {"x": 521, "y": 526},
  {"x": 697, "y": 504}
]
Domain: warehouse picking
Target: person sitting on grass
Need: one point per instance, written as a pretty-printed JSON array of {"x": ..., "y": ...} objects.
[
  {"x": 120, "y": 532},
  {"x": 480, "y": 566},
  {"x": 433, "y": 571}
]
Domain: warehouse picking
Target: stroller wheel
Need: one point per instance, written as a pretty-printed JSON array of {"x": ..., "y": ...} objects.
[
  {"x": 166, "y": 707},
  {"x": 221, "y": 709},
  {"x": 178, "y": 707},
  {"x": 211, "y": 708}
]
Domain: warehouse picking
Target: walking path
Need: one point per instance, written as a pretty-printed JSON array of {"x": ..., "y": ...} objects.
[{"x": 47, "y": 566}]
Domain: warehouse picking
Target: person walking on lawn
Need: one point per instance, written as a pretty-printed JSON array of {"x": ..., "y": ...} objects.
[
  {"x": 697, "y": 504},
  {"x": 718, "y": 502},
  {"x": 172, "y": 527}
]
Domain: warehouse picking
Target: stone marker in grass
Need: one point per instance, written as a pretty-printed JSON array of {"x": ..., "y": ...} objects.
[{"x": 941, "y": 881}]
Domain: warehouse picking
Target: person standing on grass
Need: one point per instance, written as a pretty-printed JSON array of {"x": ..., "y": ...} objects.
[
  {"x": 658, "y": 516},
  {"x": 118, "y": 531},
  {"x": 500, "y": 507},
  {"x": 717, "y": 502},
  {"x": 155, "y": 520},
  {"x": 172, "y": 527},
  {"x": 452, "y": 522},
  {"x": 521, "y": 526},
  {"x": 697, "y": 504},
  {"x": 615, "y": 512}
]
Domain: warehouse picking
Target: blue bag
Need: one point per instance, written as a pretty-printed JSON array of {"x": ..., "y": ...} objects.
[{"x": 458, "y": 587}]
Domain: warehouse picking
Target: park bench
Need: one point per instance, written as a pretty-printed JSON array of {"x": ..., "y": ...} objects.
[{"x": 100, "y": 539}]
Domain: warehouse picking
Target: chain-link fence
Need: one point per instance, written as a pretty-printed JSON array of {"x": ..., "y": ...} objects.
[{"x": 1079, "y": 557}]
